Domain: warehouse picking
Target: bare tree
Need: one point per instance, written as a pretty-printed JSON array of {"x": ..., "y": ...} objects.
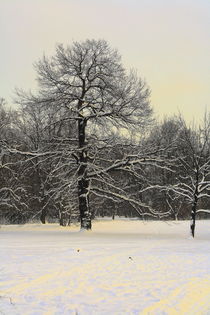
[
  {"x": 193, "y": 170},
  {"x": 12, "y": 192},
  {"x": 88, "y": 85}
]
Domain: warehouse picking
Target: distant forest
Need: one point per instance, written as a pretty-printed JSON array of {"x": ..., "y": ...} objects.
[{"x": 86, "y": 144}]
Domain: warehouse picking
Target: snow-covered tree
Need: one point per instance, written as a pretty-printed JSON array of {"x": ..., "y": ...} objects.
[
  {"x": 12, "y": 192},
  {"x": 43, "y": 151},
  {"x": 87, "y": 84},
  {"x": 193, "y": 169}
]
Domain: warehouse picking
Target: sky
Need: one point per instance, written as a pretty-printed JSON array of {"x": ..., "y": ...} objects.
[{"x": 166, "y": 41}]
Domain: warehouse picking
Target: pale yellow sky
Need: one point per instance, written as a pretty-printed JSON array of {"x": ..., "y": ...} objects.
[{"x": 167, "y": 41}]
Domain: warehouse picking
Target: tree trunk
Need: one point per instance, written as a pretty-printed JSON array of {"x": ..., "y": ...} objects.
[
  {"x": 62, "y": 219},
  {"x": 113, "y": 212},
  {"x": 42, "y": 205},
  {"x": 43, "y": 215},
  {"x": 194, "y": 206},
  {"x": 85, "y": 215},
  {"x": 83, "y": 182},
  {"x": 193, "y": 216}
]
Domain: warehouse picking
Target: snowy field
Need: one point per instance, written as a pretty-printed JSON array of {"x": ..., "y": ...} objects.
[{"x": 120, "y": 267}]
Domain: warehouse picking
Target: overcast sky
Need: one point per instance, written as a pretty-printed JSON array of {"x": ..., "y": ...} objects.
[{"x": 168, "y": 42}]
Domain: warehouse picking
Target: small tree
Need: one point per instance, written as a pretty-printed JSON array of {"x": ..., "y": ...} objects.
[{"x": 193, "y": 171}]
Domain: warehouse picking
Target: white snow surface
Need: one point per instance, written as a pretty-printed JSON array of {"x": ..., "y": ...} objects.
[{"x": 120, "y": 267}]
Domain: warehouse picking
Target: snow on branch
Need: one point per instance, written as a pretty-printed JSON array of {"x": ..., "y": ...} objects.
[{"x": 135, "y": 203}]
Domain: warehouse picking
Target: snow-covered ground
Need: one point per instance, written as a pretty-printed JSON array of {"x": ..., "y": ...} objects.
[{"x": 120, "y": 267}]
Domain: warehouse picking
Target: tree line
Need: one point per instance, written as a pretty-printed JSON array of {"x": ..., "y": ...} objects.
[{"x": 86, "y": 144}]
